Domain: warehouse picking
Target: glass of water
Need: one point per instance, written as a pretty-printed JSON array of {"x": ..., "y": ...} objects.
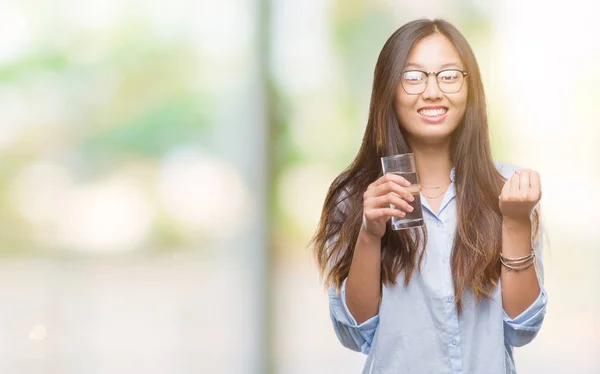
[{"x": 404, "y": 166}]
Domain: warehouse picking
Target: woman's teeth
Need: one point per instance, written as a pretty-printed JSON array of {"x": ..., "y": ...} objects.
[{"x": 433, "y": 112}]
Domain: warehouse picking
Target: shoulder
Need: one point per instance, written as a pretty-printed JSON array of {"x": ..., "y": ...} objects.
[{"x": 506, "y": 169}]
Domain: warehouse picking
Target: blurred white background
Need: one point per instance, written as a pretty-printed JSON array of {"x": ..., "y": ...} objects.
[{"x": 163, "y": 166}]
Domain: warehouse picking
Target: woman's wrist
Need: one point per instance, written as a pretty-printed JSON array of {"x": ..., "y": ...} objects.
[
  {"x": 367, "y": 238},
  {"x": 516, "y": 222}
]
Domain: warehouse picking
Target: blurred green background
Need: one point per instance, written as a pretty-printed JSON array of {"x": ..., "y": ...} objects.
[{"x": 163, "y": 166}]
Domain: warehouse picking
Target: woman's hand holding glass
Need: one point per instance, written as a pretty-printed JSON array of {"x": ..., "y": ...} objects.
[{"x": 388, "y": 189}]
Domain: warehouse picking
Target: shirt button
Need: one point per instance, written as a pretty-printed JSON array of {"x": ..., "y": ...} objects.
[
  {"x": 445, "y": 259},
  {"x": 453, "y": 342},
  {"x": 440, "y": 224},
  {"x": 450, "y": 299}
]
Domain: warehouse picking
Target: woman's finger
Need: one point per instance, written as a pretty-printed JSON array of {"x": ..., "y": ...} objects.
[
  {"x": 385, "y": 201},
  {"x": 389, "y": 177},
  {"x": 384, "y": 189},
  {"x": 376, "y": 214},
  {"x": 524, "y": 182},
  {"x": 535, "y": 183},
  {"x": 391, "y": 212},
  {"x": 514, "y": 184}
]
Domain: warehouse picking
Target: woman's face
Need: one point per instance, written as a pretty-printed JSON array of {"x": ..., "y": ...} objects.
[{"x": 431, "y": 116}]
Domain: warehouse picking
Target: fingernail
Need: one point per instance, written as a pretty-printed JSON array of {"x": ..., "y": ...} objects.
[{"x": 410, "y": 208}]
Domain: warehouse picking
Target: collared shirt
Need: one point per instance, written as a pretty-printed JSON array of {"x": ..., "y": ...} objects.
[{"x": 418, "y": 329}]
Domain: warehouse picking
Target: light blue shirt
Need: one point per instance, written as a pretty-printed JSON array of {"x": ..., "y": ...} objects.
[{"x": 418, "y": 329}]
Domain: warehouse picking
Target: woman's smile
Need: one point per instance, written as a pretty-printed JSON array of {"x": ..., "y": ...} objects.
[{"x": 433, "y": 114}]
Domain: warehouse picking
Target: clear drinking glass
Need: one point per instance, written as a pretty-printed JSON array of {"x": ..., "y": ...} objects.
[{"x": 404, "y": 166}]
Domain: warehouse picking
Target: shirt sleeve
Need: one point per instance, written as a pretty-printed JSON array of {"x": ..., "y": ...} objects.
[
  {"x": 523, "y": 328},
  {"x": 352, "y": 335}
]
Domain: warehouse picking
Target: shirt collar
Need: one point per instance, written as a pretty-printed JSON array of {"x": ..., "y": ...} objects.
[{"x": 448, "y": 196}]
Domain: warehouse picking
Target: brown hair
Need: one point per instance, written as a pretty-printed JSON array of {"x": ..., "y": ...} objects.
[{"x": 477, "y": 244}]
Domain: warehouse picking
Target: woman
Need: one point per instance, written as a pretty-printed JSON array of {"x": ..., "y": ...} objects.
[{"x": 458, "y": 294}]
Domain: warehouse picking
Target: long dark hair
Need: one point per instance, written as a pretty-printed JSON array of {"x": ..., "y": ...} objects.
[{"x": 477, "y": 244}]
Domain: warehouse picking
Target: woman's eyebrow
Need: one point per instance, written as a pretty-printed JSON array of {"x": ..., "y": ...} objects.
[
  {"x": 451, "y": 65},
  {"x": 413, "y": 65}
]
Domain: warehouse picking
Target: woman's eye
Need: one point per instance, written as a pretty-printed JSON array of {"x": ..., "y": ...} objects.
[
  {"x": 415, "y": 77},
  {"x": 448, "y": 76}
]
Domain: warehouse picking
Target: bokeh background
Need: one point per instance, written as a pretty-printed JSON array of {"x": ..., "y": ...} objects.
[{"x": 163, "y": 166}]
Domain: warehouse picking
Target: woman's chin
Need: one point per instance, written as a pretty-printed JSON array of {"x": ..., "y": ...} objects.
[{"x": 430, "y": 135}]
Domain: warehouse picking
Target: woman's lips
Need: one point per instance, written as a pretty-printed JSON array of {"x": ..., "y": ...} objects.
[{"x": 434, "y": 119}]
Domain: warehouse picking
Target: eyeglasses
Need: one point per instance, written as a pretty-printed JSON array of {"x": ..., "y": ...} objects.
[{"x": 414, "y": 82}]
